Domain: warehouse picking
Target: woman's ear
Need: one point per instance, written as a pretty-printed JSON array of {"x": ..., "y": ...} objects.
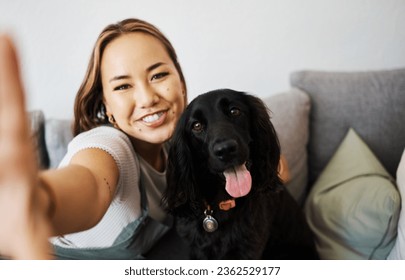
[
  {"x": 107, "y": 108},
  {"x": 109, "y": 115}
]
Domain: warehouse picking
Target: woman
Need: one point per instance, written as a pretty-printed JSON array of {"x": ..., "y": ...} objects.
[
  {"x": 104, "y": 199},
  {"x": 126, "y": 109}
]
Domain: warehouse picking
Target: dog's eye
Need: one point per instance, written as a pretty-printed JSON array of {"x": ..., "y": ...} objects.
[
  {"x": 197, "y": 127},
  {"x": 235, "y": 111}
]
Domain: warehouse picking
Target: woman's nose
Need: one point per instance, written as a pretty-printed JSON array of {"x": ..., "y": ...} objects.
[{"x": 146, "y": 97}]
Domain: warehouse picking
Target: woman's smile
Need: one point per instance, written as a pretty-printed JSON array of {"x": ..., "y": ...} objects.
[{"x": 155, "y": 119}]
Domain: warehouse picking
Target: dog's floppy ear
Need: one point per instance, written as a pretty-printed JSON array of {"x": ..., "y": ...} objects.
[
  {"x": 179, "y": 174},
  {"x": 265, "y": 148}
]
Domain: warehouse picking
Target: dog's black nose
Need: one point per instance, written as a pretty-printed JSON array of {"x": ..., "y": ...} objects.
[{"x": 225, "y": 150}]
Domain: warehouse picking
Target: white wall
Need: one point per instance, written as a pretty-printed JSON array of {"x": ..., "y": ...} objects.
[{"x": 250, "y": 45}]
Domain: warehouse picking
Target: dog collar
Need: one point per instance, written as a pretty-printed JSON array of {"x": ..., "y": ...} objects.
[
  {"x": 227, "y": 204},
  {"x": 210, "y": 224}
]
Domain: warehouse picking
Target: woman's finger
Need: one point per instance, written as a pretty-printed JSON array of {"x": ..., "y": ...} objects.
[
  {"x": 12, "y": 105},
  {"x": 25, "y": 229}
]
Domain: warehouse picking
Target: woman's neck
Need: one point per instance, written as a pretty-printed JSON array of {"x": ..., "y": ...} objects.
[{"x": 151, "y": 153}]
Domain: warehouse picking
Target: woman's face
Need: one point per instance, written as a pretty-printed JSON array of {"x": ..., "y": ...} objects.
[{"x": 142, "y": 88}]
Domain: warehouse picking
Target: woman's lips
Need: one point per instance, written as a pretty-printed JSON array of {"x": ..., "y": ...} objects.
[{"x": 155, "y": 119}]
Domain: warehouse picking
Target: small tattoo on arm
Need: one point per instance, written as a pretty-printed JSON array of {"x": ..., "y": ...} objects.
[{"x": 109, "y": 187}]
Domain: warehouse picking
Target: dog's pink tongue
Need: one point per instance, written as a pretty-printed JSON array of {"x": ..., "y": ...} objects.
[{"x": 238, "y": 181}]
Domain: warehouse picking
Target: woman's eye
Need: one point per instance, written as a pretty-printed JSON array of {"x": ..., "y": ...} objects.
[
  {"x": 197, "y": 127},
  {"x": 159, "y": 75},
  {"x": 121, "y": 87},
  {"x": 235, "y": 111}
]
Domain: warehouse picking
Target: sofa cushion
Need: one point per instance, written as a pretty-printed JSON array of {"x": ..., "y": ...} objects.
[
  {"x": 353, "y": 207},
  {"x": 398, "y": 252},
  {"x": 371, "y": 102},
  {"x": 57, "y": 137},
  {"x": 289, "y": 113}
]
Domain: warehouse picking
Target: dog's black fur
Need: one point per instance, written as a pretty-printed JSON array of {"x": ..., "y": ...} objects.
[{"x": 219, "y": 130}]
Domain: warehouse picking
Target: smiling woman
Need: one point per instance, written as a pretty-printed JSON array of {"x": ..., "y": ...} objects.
[
  {"x": 105, "y": 195},
  {"x": 132, "y": 67}
]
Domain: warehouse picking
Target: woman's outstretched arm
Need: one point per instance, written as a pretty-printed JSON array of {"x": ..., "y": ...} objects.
[
  {"x": 25, "y": 227},
  {"x": 33, "y": 205}
]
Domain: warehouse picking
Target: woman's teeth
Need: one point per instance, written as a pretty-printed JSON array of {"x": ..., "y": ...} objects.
[{"x": 152, "y": 118}]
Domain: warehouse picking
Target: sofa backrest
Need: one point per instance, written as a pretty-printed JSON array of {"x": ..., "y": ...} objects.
[
  {"x": 51, "y": 138},
  {"x": 373, "y": 103},
  {"x": 37, "y": 125},
  {"x": 58, "y": 134}
]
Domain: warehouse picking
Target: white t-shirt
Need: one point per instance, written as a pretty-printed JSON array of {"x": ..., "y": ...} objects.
[{"x": 126, "y": 205}]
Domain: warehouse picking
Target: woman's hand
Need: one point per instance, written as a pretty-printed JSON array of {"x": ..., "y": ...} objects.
[{"x": 25, "y": 226}]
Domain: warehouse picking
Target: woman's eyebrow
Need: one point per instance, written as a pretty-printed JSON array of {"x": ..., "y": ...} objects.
[
  {"x": 154, "y": 66},
  {"x": 150, "y": 68},
  {"x": 120, "y": 77}
]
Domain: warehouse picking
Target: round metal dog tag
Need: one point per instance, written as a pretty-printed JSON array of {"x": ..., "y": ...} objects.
[{"x": 210, "y": 224}]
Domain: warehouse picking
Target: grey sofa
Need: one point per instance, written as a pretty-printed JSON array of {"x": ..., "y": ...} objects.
[{"x": 312, "y": 119}]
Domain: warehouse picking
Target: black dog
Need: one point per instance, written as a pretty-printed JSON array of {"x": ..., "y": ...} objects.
[{"x": 223, "y": 183}]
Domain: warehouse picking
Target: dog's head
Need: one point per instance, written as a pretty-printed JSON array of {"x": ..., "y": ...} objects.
[{"x": 222, "y": 134}]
